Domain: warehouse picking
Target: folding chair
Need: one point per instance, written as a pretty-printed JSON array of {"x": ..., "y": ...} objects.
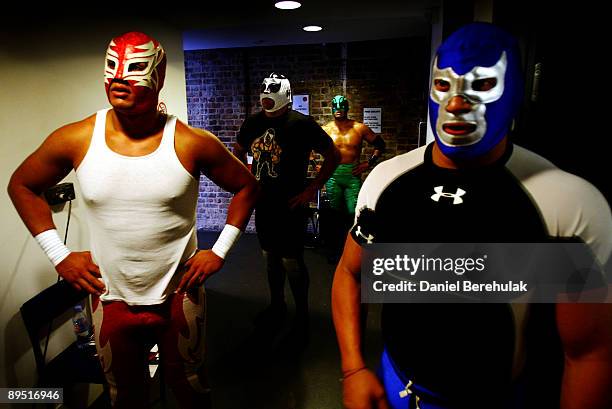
[{"x": 73, "y": 365}]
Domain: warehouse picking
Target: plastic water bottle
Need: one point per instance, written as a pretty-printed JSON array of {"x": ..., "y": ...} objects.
[{"x": 82, "y": 328}]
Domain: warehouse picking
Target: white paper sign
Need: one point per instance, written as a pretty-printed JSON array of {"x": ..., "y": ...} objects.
[
  {"x": 372, "y": 117},
  {"x": 300, "y": 104}
]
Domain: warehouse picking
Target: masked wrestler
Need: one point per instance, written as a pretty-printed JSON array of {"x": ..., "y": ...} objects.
[
  {"x": 281, "y": 141},
  {"x": 343, "y": 186},
  {"x": 138, "y": 170},
  {"x": 472, "y": 184}
]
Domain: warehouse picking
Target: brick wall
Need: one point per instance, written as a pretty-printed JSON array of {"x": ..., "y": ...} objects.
[{"x": 223, "y": 86}]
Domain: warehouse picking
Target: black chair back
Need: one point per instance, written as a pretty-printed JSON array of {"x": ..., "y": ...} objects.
[{"x": 40, "y": 311}]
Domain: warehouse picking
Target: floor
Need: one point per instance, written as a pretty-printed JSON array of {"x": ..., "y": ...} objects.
[{"x": 250, "y": 370}]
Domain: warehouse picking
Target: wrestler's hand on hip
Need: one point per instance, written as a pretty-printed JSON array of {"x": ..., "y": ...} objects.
[
  {"x": 199, "y": 267},
  {"x": 359, "y": 169},
  {"x": 81, "y": 272},
  {"x": 363, "y": 390}
]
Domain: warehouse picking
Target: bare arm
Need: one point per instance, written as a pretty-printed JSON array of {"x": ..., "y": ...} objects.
[
  {"x": 48, "y": 165},
  {"x": 379, "y": 147},
  {"x": 346, "y": 297},
  {"x": 229, "y": 173},
  {"x": 209, "y": 156},
  {"x": 361, "y": 389},
  {"x": 240, "y": 153},
  {"x": 586, "y": 334},
  {"x": 331, "y": 159},
  {"x": 373, "y": 139},
  {"x": 45, "y": 167}
]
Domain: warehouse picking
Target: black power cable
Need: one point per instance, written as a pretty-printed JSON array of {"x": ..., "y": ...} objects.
[{"x": 58, "y": 280}]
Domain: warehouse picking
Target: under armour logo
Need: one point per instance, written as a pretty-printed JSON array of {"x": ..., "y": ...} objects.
[
  {"x": 406, "y": 392},
  {"x": 440, "y": 192},
  {"x": 368, "y": 238}
]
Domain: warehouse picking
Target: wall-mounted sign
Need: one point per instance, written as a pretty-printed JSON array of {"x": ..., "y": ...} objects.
[
  {"x": 300, "y": 104},
  {"x": 372, "y": 117}
]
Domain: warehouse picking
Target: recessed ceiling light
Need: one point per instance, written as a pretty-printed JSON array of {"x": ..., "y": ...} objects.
[
  {"x": 312, "y": 28},
  {"x": 287, "y": 5}
]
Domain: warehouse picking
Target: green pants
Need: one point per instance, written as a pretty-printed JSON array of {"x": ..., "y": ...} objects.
[{"x": 343, "y": 188}]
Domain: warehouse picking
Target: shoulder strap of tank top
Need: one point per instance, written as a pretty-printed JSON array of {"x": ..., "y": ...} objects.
[
  {"x": 168, "y": 136},
  {"x": 99, "y": 132}
]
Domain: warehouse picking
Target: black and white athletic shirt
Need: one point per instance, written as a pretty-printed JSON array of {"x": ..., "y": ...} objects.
[{"x": 520, "y": 198}]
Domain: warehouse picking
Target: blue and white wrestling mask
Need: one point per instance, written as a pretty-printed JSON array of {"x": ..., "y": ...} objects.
[
  {"x": 277, "y": 88},
  {"x": 475, "y": 91}
]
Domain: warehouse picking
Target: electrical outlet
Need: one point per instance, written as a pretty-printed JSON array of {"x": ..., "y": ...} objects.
[{"x": 60, "y": 193}]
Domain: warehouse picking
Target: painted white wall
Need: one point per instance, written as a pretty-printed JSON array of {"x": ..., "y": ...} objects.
[{"x": 50, "y": 77}]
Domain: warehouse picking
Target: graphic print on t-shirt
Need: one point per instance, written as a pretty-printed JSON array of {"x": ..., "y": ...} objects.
[{"x": 266, "y": 152}]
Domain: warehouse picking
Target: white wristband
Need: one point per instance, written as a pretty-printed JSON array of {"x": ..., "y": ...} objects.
[
  {"x": 53, "y": 246},
  {"x": 228, "y": 237}
]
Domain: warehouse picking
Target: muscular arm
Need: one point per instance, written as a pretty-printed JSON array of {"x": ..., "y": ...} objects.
[
  {"x": 360, "y": 388},
  {"x": 48, "y": 165},
  {"x": 331, "y": 159},
  {"x": 240, "y": 153},
  {"x": 231, "y": 175},
  {"x": 214, "y": 160},
  {"x": 373, "y": 139},
  {"x": 586, "y": 334},
  {"x": 346, "y": 305},
  {"x": 45, "y": 167},
  {"x": 203, "y": 152}
]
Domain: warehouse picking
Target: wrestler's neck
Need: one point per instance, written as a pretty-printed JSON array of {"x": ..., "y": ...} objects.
[
  {"x": 341, "y": 118},
  {"x": 343, "y": 121},
  {"x": 277, "y": 113},
  {"x": 443, "y": 161},
  {"x": 138, "y": 125}
]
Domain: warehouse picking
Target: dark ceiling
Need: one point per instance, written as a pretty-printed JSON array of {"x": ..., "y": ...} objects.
[
  {"x": 259, "y": 23},
  {"x": 223, "y": 24}
]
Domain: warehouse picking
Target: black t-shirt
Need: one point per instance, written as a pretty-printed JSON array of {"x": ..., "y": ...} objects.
[
  {"x": 281, "y": 149},
  {"x": 453, "y": 348}
]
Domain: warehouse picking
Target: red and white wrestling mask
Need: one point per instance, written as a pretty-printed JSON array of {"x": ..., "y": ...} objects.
[{"x": 134, "y": 71}]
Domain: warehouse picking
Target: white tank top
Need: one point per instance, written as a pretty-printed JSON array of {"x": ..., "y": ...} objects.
[{"x": 141, "y": 216}]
